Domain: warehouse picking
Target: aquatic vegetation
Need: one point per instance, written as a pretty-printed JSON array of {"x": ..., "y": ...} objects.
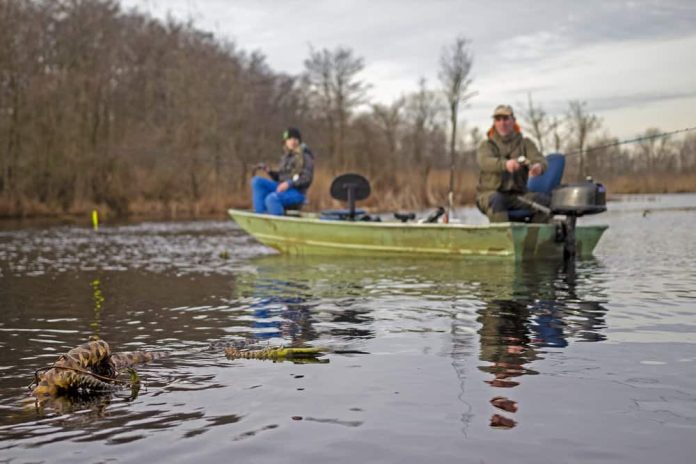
[
  {"x": 87, "y": 369},
  {"x": 91, "y": 369},
  {"x": 275, "y": 354}
]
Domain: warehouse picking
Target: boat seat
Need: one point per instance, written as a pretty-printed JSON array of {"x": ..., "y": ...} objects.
[
  {"x": 544, "y": 183},
  {"x": 294, "y": 209},
  {"x": 349, "y": 187},
  {"x": 340, "y": 214}
]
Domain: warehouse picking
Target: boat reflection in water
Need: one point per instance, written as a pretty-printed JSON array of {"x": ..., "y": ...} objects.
[
  {"x": 282, "y": 295},
  {"x": 281, "y": 309},
  {"x": 503, "y": 317},
  {"x": 541, "y": 312}
]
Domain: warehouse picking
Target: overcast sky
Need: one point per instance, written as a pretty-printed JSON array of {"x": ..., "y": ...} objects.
[{"x": 634, "y": 62}]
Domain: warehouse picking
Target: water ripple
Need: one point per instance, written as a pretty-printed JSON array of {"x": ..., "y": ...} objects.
[{"x": 426, "y": 358}]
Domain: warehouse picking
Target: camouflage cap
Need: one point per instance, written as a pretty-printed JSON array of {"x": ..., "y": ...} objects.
[{"x": 503, "y": 110}]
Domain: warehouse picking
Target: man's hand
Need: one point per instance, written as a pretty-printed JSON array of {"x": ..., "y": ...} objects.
[
  {"x": 512, "y": 166},
  {"x": 282, "y": 187},
  {"x": 536, "y": 170}
]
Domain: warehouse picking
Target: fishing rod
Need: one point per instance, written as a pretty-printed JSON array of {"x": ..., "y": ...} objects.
[{"x": 635, "y": 140}]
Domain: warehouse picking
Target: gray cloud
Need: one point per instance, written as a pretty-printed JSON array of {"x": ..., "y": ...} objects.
[
  {"x": 401, "y": 41},
  {"x": 635, "y": 100},
  {"x": 412, "y": 32}
]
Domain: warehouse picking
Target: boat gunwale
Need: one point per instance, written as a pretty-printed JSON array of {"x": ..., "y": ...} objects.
[{"x": 317, "y": 220}]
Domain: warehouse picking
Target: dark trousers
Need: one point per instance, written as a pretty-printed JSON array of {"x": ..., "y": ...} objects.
[{"x": 496, "y": 205}]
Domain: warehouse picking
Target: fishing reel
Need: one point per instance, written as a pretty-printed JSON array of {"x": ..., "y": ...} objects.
[{"x": 259, "y": 167}]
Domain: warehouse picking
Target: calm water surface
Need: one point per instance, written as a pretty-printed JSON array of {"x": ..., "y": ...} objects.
[{"x": 599, "y": 357}]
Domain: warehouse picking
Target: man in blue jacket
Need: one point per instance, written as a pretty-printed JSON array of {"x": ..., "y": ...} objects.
[{"x": 290, "y": 182}]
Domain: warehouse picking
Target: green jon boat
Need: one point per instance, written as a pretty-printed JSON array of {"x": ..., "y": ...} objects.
[
  {"x": 308, "y": 234},
  {"x": 353, "y": 232}
]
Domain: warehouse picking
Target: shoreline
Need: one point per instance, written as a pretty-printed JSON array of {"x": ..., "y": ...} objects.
[
  {"x": 398, "y": 193},
  {"x": 8, "y": 223}
]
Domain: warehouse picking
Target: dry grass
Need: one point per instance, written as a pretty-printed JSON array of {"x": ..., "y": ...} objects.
[
  {"x": 658, "y": 183},
  {"x": 405, "y": 191},
  {"x": 18, "y": 207}
]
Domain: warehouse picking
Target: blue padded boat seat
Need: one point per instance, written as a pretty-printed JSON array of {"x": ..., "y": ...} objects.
[
  {"x": 550, "y": 179},
  {"x": 544, "y": 183}
]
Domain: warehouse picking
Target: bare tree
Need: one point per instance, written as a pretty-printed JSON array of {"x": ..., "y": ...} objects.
[
  {"x": 687, "y": 153},
  {"x": 106, "y": 108},
  {"x": 537, "y": 122},
  {"x": 473, "y": 140},
  {"x": 365, "y": 152},
  {"x": 318, "y": 80},
  {"x": 11, "y": 34},
  {"x": 555, "y": 129},
  {"x": 603, "y": 156},
  {"x": 657, "y": 153},
  {"x": 389, "y": 120},
  {"x": 475, "y": 136},
  {"x": 331, "y": 78},
  {"x": 455, "y": 66},
  {"x": 422, "y": 110},
  {"x": 581, "y": 125}
]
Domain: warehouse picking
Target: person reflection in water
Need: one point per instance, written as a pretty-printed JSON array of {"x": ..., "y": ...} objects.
[
  {"x": 505, "y": 345},
  {"x": 515, "y": 332}
]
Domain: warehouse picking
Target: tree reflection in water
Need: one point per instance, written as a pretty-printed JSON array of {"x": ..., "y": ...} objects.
[{"x": 542, "y": 311}]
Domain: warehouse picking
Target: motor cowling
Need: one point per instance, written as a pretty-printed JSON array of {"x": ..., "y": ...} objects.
[{"x": 579, "y": 198}]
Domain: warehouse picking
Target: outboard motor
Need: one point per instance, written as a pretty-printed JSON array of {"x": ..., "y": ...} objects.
[
  {"x": 579, "y": 198},
  {"x": 575, "y": 200},
  {"x": 569, "y": 200}
]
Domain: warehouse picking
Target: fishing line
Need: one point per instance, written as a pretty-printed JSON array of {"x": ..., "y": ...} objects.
[{"x": 638, "y": 139}]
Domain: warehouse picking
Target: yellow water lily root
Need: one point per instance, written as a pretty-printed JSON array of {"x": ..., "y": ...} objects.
[{"x": 274, "y": 354}]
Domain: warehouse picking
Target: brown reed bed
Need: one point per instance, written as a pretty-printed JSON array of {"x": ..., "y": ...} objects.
[{"x": 407, "y": 190}]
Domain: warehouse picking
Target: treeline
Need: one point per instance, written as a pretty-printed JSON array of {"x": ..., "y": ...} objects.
[
  {"x": 101, "y": 107},
  {"x": 650, "y": 163}
]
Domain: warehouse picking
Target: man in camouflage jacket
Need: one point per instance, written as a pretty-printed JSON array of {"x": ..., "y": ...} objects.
[{"x": 504, "y": 173}]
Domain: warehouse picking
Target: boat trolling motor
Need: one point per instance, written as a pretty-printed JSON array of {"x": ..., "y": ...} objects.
[{"x": 571, "y": 201}]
